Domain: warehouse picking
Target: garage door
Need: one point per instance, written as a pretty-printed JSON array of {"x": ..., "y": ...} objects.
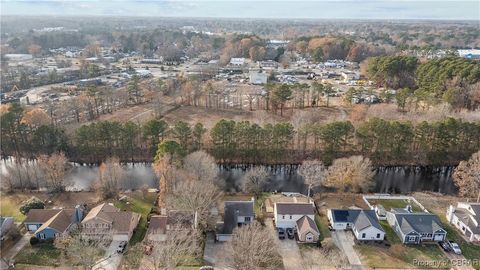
[
  {"x": 438, "y": 237},
  {"x": 32, "y": 228}
]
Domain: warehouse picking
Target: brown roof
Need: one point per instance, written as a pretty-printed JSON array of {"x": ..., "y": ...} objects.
[
  {"x": 40, "y": 215},
  {"x": 60, "y": 222},
  {"x": 101, "y": 212},
  {"x": 295, "y": 209},
  {"x": 123, "y": 221},
  {"x": 158, "y": 225},
  {"x": 306, "y": 224}
]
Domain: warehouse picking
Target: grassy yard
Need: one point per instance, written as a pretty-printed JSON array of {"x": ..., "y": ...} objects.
[
  {"x": 9, "y": 207},
  {"x": 141, "y": 204},
  {"x": 41, "y": 254},
  {"x": 395, "y": 203},
  {"x": 322, "y": 224}
]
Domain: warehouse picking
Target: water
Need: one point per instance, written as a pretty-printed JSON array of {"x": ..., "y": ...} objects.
[{"x": 283, "y": 178}]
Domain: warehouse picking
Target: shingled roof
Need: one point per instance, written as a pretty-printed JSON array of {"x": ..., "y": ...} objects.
[{"x": 295, "y": 209}]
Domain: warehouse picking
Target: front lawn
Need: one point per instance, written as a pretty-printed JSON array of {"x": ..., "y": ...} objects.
[
  {"x": 322, "y": 224},
  {"x": 139, "y": 203},
  {"x": 10, "y": 207},
  {"x": 41, "y": 254}
]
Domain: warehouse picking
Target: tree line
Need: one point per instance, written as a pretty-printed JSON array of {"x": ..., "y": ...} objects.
[{"x": 384, "y": 142}]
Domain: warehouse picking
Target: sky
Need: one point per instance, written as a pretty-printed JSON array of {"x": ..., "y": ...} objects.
[{"x": 321, "y": 9}]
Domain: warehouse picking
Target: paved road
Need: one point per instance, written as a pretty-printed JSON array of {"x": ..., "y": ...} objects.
[
  {"x": 13, "y": 251},
  {"x": 112, "y": 259},
  {"x": 288, "y": 249},
  {"x": 344, "y": 240}
]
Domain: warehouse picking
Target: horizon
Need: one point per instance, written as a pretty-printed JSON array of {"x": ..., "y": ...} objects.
[{"x": 392, "y": 10}]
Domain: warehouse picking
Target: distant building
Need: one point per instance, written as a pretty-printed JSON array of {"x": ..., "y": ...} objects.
[
  {"x": 154, "y": 61},
  {"x": 473, "y": 54},
  {"x": 18, "y": 57},
  {"x": 269, "y": 64},
  {"x": 350, "y": 76},
  {"x": 237, "y": 61},
  {"x": 256, "y": 77}
]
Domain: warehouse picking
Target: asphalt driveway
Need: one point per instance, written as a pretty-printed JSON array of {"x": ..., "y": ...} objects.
[
  {"x": 287, "y": 248},
  {"x": 344, "y": 241},
  {"x": 112, "y": 259}
]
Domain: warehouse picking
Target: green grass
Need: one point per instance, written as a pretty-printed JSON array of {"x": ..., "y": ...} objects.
[
  {"x": 259, "y": 202},
  {"x": 395, "y": 203},
  {"x": 9, "y": 208},
  {"x": 41, "y": 254},
  {"x": 322, "y": 224},
  {"x": 142, "y": 205},
  {"x": 390, "y": 234}
]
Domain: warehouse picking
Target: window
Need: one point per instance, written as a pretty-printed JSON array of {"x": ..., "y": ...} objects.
[
  {"x": 378, "y": 236},
  {"x": 42, "y": 236},
  {"x": 411, "y": 238},
  {"x": 309, "y": 238},
  {"x": 363, "y": 235},
  {"x": 247, "y": 219},
  {"x": 290, "y": 216},
  {"x": 283, "y": 217}
]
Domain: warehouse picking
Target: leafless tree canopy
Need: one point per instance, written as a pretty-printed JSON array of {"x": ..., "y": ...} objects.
[
  {"x": 467, "y": 177},
  {"x": 83, "y": 251},
  {"x": 110, "y": 175},
  {"x": 55, "y": 168},
  {"x": 350, "y": 174},
  {"x": 21, "y": 174},
  {"x": 201, "y": 166},
  {"x": 328, "y": 257},
  {"x": 313, "y": 173},
  {"x": 254, "y": 180},
  {"x": 252, "y": 247}
]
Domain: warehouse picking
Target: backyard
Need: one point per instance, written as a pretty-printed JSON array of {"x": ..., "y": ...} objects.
[
  {"x": 395, "y": 203},
  {"x": 142, "y": 203}
]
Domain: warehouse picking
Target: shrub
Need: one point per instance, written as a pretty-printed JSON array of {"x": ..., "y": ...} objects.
[
  {"x": 34, "y": 240},
  {"x": 32, "y": 203}
]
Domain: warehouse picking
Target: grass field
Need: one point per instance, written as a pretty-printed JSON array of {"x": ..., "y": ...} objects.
[
  {"x": 141, "y": 204},
  {"x": 322, "y": 224}
]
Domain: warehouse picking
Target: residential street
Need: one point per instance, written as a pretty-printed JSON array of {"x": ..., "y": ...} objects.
[
  {"x": 288, "y": 249},
  {"x": 112, "y": 259},
  {"x": 344, "y": 240}
]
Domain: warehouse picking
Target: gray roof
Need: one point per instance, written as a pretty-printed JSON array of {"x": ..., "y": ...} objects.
[
  {"x": 232, "y": 211},
  {"x": 360, "y": 218},
  {"x": 419, "y": 222},
  {"x": 466, "y": 217},
  {"x": 295, "y": 209}
]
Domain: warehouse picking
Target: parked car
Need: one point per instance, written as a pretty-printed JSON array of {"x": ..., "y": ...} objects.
[
  {"x": 445, "y": 246},
  {"x": 122, "y": 247},
  {"x": 456, "y": 248},
  {"x": 281, "y": 233},
  {"x": 290, "y": 233}
]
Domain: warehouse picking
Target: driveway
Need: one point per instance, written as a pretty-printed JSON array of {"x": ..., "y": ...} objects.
[
  {"x": 13, "y": 251},
  {"x": 458, "y": 259},
  {"x": 214, "y": 253},
  {"x": 288, "y": 249},
  {"x": 112, "y": 259},
  {"x": 344, "y": 241}
]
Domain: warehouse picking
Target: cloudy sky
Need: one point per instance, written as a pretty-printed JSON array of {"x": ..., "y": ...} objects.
[{"x": 321, "y": 9}]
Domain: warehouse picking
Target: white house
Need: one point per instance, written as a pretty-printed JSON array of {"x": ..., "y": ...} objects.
[
  {"x": 466, "y": 218},
  {"x": 237, "y": 213},
  {"x": 237, "y": 61},
  {"x": 287, "y": 214},
  {"x": 363, "y": 223}
]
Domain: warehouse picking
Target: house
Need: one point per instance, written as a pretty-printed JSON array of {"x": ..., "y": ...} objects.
[
  {"x": 6, "y": 223},
  {"x": 107, "y": 221},
  {"x": 237, "y": 213},
  {"x": 174, "y": 220},
  {"x": 48, "y": 224},
  {"x": 466, "y": 218},
  {"x": 284, "y": 197},
  {"x": 307, "y": 230},
  {"x": 287, "y": 214},
  {"x": 363, "y": 223},
  {"x": 256, "y": 77},
  {"x": 416, "y": 227},
  {"x": 269, "y": 64},
  {"x": 237, "y": 61}
]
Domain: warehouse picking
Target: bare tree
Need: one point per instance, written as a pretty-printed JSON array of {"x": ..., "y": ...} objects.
[
  {"x": 328, "y": 257},
  {"x": 254, "y": 180},
  {"x": 110, "y": 175},
  {"x": 350, "y": 174},
  {"x": 82, "y": 251},
  {"x": 201, "y": 166},
  {"x": 54, "y": 169},
  {"x": 313, "y": 173},
  {"x": 467, "y": 177},
  {"x": 252, "y": 247}
]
